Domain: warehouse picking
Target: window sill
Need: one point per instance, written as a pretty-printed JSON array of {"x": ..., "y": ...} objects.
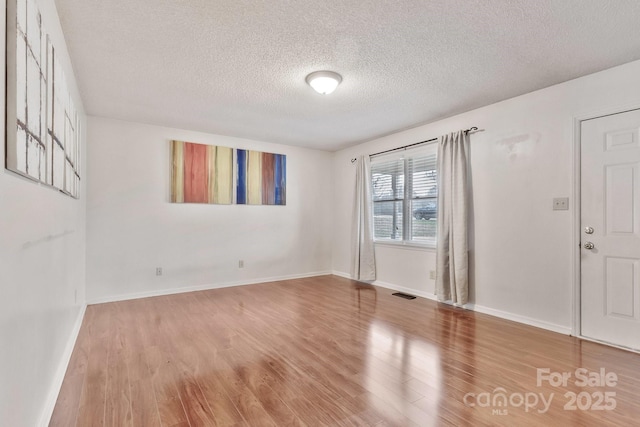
[{"x": 407, "y": 245}]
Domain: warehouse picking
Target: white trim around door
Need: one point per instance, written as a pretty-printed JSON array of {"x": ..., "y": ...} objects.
[{"x": 576, "y": 218}]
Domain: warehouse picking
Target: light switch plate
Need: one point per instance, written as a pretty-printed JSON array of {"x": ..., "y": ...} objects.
[{"x": 561, "y": 204}]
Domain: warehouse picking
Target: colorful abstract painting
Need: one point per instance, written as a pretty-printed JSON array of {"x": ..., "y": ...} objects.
[
  {"x": 201, "y": 173},
  {"x": 261, "y": 178}
]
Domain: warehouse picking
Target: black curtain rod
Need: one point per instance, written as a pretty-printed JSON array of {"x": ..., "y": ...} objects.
[
  {"x": 404, "y": 147},
  {"x": 417, "y": 143}
]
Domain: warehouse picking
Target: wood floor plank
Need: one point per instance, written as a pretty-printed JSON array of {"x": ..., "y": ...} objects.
[
  {"x": 257, "y": 377},
  {"x": 118, "y": 395},
  {"x": 91, "y": 411},
  {"x": 195, "y": 404},
  {"x": 251, "y": 409},
  {"x": 170, "y": 408},
  {"x": 66, "y": 409},
  {"x": 324, "y": 351},
  {"x": 144, "y": 409},
  {"x": 224, "y": 411}
]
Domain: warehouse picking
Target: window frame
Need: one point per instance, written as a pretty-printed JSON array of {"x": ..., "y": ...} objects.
[{"x": 407, "y": 156}]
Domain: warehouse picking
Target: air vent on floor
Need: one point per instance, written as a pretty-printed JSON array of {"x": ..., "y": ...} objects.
[{"x": 403, "y": 295}]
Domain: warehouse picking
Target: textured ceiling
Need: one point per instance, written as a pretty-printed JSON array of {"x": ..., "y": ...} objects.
[{"x": 238, "y": 67}]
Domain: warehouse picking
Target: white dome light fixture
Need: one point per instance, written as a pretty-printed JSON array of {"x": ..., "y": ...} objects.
[{"x": 324, "y": 82}]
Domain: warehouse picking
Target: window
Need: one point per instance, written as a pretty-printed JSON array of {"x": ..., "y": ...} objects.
[{"x": 405, "y": 195}]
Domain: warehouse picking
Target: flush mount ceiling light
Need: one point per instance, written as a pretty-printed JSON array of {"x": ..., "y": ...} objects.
[{"x": 324, "y": 82}]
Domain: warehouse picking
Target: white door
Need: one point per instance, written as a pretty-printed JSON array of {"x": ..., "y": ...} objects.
[{"x": 610, "y": 229}]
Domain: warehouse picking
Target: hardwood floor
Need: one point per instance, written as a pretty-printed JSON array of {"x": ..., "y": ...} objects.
[{"x": 327, "y": 351}]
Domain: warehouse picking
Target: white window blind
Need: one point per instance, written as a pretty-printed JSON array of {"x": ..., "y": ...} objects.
[{"x": 404, "y": 185}]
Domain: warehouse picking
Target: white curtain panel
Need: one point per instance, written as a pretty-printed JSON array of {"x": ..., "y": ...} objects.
[
  {"x": 363, "y": 263},
  {"x": 452, "y": 259}
]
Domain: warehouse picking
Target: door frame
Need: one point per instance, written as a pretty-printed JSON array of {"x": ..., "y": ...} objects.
[{"x": 576, "y": 317}]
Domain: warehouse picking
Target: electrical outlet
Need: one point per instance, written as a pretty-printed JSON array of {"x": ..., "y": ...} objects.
[
  {"x": 158, "y": 271},
  {"x": 241, "y": 264},
  {"x": 561, "y": 204},
  {"x": 432, "y": 275}
]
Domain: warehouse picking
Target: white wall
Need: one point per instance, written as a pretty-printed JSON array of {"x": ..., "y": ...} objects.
[
  {"x": 42, "y": 275},
  {"x": 132, "y": 228},
  {"x": 521, "y": 250}
]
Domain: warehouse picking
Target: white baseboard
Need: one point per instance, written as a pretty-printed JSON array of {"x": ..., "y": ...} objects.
[
  {"x": 406, "y": 290},
  {"x": 479, "y": 308},
  {"x": 54, "y": 390},
  {"x": 520, "y": 319},
  {"x": 341, "y": 274},
  {"x": 608, "y": 344},
  {"x": 171, "y": 291},
  {"x": 392, "y": 286}
]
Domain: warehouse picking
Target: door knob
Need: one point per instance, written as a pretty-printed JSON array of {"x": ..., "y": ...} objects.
[
  {"x": 588, "y": 230},
  {"x": 589, "y": 245}
]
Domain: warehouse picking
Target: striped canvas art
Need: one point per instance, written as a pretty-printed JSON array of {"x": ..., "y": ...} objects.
[
  {"x": 201, "y": 173},
  {"x": 261, "y": 178}
]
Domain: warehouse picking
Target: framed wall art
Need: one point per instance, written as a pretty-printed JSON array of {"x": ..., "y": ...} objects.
[
  {"x": 201, "y": 173},
  {"x": 261, "y": 178},
  {"x": 209, "y": 174},
  {"x": 42, "y": 124}
]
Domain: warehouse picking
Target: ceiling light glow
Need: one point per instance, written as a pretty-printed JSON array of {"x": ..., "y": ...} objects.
[{"x": 324, "y": 82}]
